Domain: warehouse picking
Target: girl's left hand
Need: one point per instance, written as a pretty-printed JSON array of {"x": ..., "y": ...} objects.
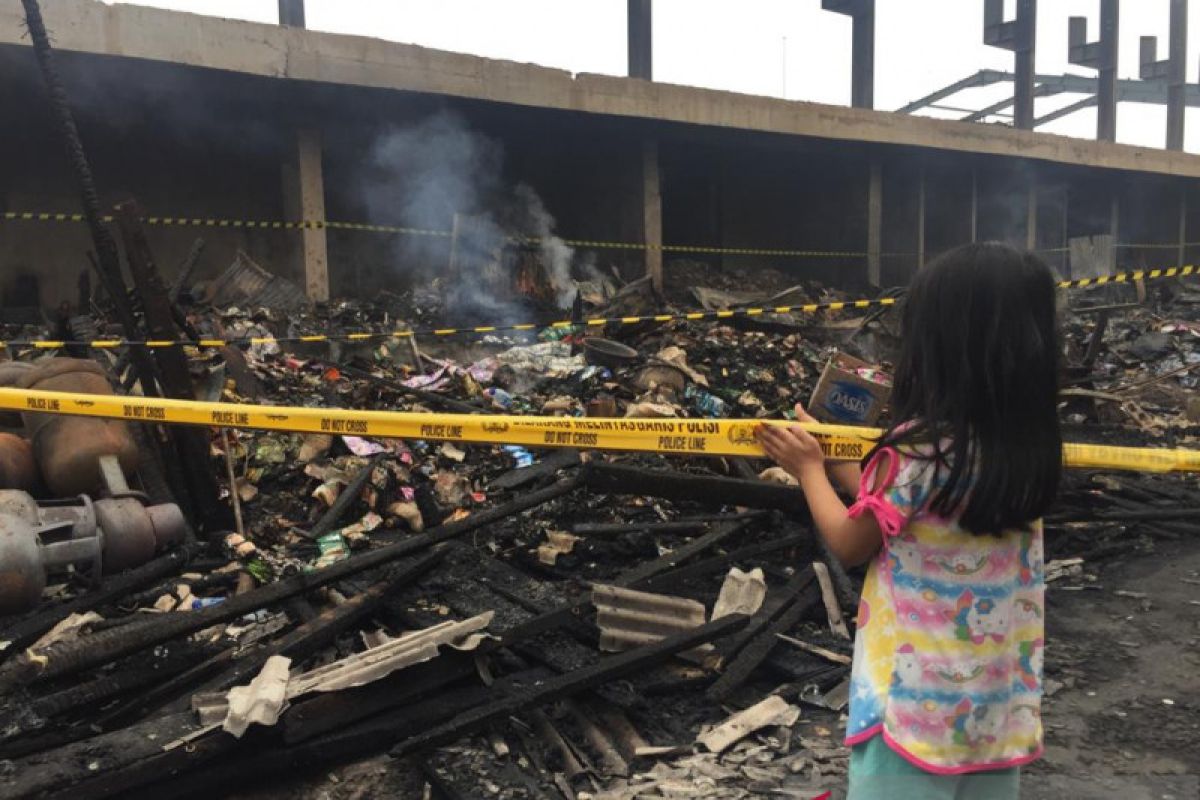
[{"x": 793, "y": 448}]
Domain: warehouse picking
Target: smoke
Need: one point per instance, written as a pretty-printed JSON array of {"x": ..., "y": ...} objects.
[{"x": 423, "y": 175}]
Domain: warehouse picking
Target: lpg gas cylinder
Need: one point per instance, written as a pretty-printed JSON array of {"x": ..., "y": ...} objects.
[{"x": 68, "y": 449}]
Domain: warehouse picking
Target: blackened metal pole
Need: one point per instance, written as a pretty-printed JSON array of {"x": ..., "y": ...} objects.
[
  {"x": 1026, "y": 37},
  {"x": 862, "y": 12},
  {"x": 1020, "y": 36},
  {"x": 1101, "y": 55},
  {"x": 1106, "y": 94},
  {"x": 641, "y": 49},
  {"x": 862, "y": 90},
  {"x": 107, "y": 256},
  {"x": 1177, "y": 74},
  {"x": 1172, "y": 71},
  {"x": 291, "y": 13}
]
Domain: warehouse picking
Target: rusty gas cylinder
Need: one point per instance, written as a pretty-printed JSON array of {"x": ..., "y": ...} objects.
[
  {"x": 68, "y": 449},
  {"x": 17, "y": 469},
  {"x": 10, "y": 373}
]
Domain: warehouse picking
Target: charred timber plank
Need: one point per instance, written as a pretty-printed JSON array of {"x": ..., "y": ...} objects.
[
  {"x": 336, "y": 710},
  {"x": 179, "y": 777},
  {"x": 345, "y": 499},
  {"x": 190, "y": 443},
  {"x": 1145, "y": 514},
  {"x": 715, "y": 564},
  {"x": 671, "y": 485},
  {"x": 310, "y": 637},
  {"x": 26, "y": 631},
  {"x": 757, "y": 650},
  {"x": 680, "y": 524},
  {"x": 668, "y": 561},
  {"x": 101, "y": 648},
  {"x": 769, "y": 612},
  {"x": 44, "y": 772},
  {"x": 552, "y": 463},
  {"x": 108, "y": 646},
  {"x": 226, "y": 669},
  {"x": 632, "y": 579},
  {"x": 561, "y": 686}
]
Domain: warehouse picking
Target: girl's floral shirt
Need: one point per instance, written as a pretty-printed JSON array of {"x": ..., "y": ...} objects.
[{"x": 948, "y": 653}]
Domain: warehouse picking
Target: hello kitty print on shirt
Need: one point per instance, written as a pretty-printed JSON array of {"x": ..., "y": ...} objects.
[{"x": 950, "y": 643}]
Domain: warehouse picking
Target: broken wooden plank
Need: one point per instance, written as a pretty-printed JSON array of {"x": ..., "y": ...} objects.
[
  {"x": 612, "y": 668},
  {"x": 712, "y": 490},
  {"x": 832, "y": 608},
  {"x": 752, "y": 655}
]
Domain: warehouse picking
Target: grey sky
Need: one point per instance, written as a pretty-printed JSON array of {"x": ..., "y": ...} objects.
[{"x": 921, "y": 44}]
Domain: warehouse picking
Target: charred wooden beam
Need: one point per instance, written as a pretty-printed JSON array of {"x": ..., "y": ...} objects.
[
  {"x": 550, "y": 465},
  {"x": 200, "y": 500},
  {"x": 671, "y": 485},
  {"x": 343, "y": 501},
  {"x": 757, "y": 649},
  {"x": 105, "y": 647},
  {"x": 560, "y": 686},
  {"x": 101, "y": 648},
  {"x": 28, "y": 630}
]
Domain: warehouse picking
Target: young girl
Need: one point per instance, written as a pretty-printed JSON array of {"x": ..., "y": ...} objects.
[{"x": 947, "y": 677}]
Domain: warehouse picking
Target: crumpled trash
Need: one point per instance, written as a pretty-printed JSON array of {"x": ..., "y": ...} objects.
[
  {"x": 333, "y": 549},
  {"x": 408, "y": 512},
  {"x": 500, "y": 399},
  {"x": 1150, "y": 345},
  {"x": 451, "y": 489},
  {"x": 521, "y": 457},
  {"x": 705, "y": 403},
  {"x": 356, "y": 534},
  {"x": 271, "y": 450},
  {"x": 362, "y": 447}
]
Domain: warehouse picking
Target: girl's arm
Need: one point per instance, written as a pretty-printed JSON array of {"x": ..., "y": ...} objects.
[
  {"x": 846, "y": 475},
  {"x": 852, "y": 540}
]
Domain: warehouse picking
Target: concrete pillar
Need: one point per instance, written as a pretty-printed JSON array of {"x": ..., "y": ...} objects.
[
  {"x": 921, "y": 218},
  {"x": 652, "y": 212},
  {"x": 304, "y": 199},
  {"x": 1181, "y": 255},
  {"x": 974, "y": 209},
  {"x": 875, "y": 224},
  {"x": 1031, "y": 209},
  {"x": 641, "y": 48},
  {"x": 291, "y": 13}
]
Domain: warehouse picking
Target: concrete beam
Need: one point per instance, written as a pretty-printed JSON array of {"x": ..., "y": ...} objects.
[
  {"x": 304, "y": 198},
  {"x": 652, "y": 212},
  {"x": 131, "y": 31},
  {"x": 875, "y": 223}
]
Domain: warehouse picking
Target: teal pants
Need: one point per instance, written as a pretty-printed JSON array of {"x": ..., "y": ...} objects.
[{"x": 878, "y": 772}]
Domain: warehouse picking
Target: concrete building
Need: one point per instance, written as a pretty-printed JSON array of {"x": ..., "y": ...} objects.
[{"x": 210, "y": 118}]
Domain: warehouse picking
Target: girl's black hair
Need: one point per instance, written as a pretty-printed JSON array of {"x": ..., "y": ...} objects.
[{"x": 977, "y": 378}]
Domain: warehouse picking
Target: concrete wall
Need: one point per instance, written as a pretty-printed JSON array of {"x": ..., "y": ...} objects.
[
  {"x": 269, "y": 51},
  {"x": 197, "y": 142}
]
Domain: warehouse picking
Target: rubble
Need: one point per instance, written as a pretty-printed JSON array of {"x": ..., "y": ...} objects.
[{"x": 291, "y": 627}]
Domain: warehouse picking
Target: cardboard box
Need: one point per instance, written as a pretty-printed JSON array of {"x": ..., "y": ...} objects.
[{"x": 845, "y": 396}]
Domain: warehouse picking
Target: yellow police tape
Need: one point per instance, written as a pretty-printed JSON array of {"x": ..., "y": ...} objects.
[
  {"x": 691, "y": 437},
  {"x": 589, "y": 322},
  {"x": 319, "y": 224}
]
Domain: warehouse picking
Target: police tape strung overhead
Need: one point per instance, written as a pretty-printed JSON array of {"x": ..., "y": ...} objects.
[
  {"x": 693, "y": 437},
  {"x": 588, "y": 322}
]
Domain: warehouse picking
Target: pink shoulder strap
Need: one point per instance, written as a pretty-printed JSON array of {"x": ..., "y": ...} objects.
[{"x": 870, "y": 495}]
